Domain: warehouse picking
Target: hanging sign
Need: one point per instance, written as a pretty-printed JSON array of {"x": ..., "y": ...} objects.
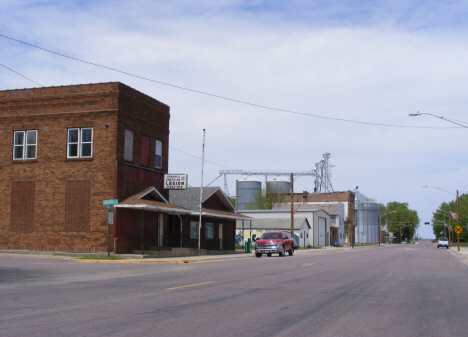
[{"x": 175, "y": 181}]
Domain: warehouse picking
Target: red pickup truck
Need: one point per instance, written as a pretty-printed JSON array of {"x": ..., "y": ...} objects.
[{"x": 274, "y": 242}]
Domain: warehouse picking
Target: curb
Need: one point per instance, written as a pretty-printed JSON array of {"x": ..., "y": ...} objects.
[{"x": 140, "y": 261}]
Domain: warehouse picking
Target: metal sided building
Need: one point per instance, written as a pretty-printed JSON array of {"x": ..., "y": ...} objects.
[
  {"x": 367, "y": 213},
  {"x": 318, "y": 220}
]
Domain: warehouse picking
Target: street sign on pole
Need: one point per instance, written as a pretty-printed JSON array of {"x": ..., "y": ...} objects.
[
  {"x": 110, "y": 202},
  {"x": 110, "y": 218},
  {"x": 458, "y": 230}
]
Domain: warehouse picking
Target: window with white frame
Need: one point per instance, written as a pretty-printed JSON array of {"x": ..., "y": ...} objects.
[
  {"x": 25, "y": 145},
  {"x": 158, "y": 154},
  {"x": 80, "y": 143}
]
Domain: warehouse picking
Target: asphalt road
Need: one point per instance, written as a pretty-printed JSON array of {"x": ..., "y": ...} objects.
[{"x": 397, "y": 290}]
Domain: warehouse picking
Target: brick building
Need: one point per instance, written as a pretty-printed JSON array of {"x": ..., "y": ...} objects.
[{"x": 63, "y": 150}]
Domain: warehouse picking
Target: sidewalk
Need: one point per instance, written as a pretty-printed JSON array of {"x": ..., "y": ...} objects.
[
  {"x": 137, "y": 258},
  {"x": 463, "y": 250},
  {"x": 134, "y": 258}
]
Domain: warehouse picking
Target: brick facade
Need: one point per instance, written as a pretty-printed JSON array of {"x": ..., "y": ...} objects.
[{"x": 54, "y": 202}]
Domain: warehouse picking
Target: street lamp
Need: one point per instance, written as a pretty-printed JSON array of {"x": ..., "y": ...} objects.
[
  {"x": 445, "y": 232},
  {"x": 439, "y": 189},
  {"x": 445, "y": 119},
  {"x": 458, "y": 210},
  {"x": 380, "y": 222}
]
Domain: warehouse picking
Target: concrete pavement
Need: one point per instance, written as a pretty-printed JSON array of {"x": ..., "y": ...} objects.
[{"x": 138, "y": 258}]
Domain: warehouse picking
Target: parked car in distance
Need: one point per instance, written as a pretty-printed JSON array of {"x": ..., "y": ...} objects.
[
  {"x": 443, "y": 242},
  {"x": 274, "y": 242},
  {"x": 404, "y": 242}
]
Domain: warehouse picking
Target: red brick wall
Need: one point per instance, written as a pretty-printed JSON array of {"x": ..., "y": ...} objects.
[
  {"x": 77, "y": 206},
  {"x": 23, "y": 194},
  {"x": 57, "y": 223}
]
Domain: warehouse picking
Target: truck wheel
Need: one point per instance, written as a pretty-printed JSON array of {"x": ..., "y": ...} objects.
[
  {"x": 269, "y": 254},
  {"x": 291, "y": 251},
  {"x": 258, "y": 254},
  {"x": 437, "y": 246},
  {"x": 447, "y": 247},
  {"x": 282, "y": 251}
]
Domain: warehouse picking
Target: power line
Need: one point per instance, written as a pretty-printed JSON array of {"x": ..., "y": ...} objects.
[
  {"x": 191, "y": 155},
  {"x": 222, "y": 97},
  {"x": 21, "y": 75}
]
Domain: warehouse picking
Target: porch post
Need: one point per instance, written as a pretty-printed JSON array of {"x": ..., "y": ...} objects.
[
  {"x": 142, "y": 232},
  {"x": 243, "y": 233},
  {"x": 180, "y": 217}
]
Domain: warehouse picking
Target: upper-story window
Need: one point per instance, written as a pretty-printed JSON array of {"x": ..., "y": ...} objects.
[
  {"x": 25, "y": 145},
  {"x": 158, "y": 154},
  {"x": 80, "y": 143},
  {"x": 128, "y": 145}
]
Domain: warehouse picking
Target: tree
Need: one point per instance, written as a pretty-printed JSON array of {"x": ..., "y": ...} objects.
[
  {"x": 267, "y": 198},
  {"x": 232, "y": 200},
  {"x": 402, "y": 220},
  {"x": 445, "y": 209}
]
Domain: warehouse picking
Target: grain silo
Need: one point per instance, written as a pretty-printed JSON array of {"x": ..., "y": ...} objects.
[
  {"x": 247, "y": 188},
  {"x": 279, "y": 184}
]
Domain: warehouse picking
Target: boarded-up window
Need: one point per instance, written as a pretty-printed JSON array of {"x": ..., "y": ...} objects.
[
  {"x": 23, "y": 197},
  {"x": 144, "y": 150},
  {"x": 128, "y": 146},
  {"x": 77, "y": 205}
]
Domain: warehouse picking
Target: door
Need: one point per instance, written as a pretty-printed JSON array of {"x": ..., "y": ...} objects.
[
  {"x": 220, "y": 236},
  {"x": 322, "y": 229}
]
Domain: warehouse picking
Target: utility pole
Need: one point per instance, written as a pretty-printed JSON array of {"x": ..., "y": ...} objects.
[
  {"x": 292, "y": 206},
  {"x": 458, "y": 223},
  {"x": 201, "y": 190}
]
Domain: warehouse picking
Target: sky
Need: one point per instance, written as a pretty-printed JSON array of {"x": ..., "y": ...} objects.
[{"x": 275, "y": 84}]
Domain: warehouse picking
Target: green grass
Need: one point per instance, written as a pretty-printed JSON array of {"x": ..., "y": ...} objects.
[{"x": 103, "y": 258}]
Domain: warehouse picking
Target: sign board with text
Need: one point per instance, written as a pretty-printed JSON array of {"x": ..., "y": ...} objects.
[{"x": 175, "y": 181}]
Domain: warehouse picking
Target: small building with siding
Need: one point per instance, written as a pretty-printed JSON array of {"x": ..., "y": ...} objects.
[
  {"x": 334, "y": 209},
  {"x": 318, "y": 220},
  {"x": 262, "y": 225}
]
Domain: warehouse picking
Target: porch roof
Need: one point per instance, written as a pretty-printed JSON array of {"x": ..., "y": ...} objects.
[
  {"x": 222, "y": 214},
  {"x": 151, "y": 200}
]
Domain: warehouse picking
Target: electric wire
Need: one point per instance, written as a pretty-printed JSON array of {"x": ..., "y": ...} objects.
[
  {"x": 191, "y": 155},
  {"x": 223, "y": 97},
  {"x": 21, "y": 75}
]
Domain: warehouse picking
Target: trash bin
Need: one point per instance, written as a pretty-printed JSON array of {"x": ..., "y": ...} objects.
[
  {"x": 248, "y": 246},
  {"x": 336, "y": 244}
]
